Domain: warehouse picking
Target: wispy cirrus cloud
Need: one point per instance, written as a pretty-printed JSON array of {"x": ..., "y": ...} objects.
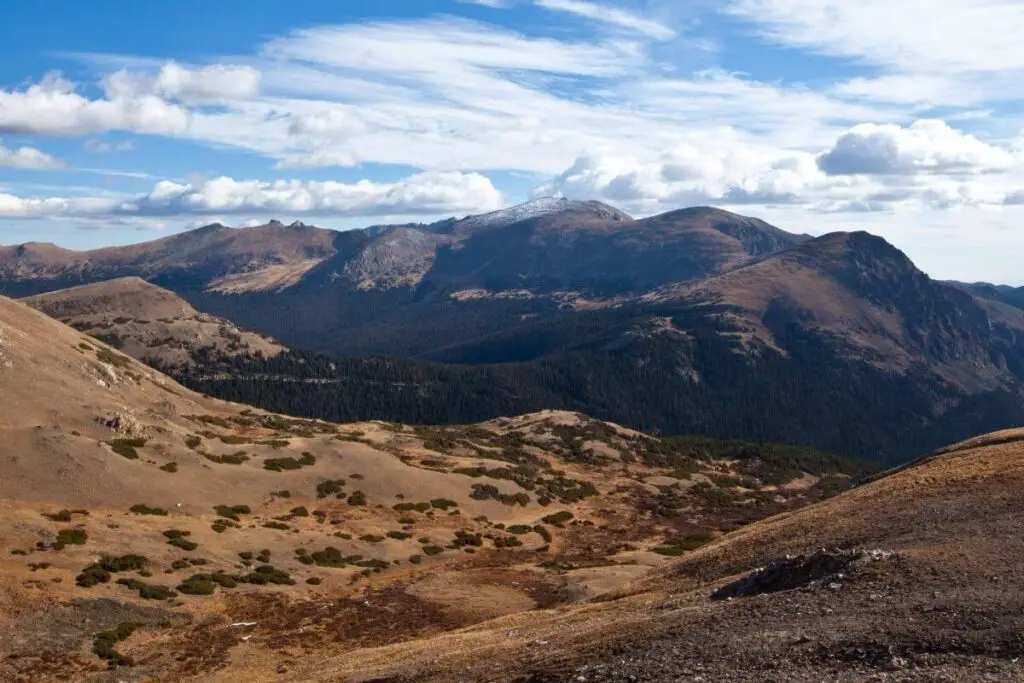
[{"x": 611, "y": 15}]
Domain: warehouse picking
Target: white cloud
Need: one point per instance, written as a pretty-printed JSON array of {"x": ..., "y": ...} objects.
[
  {"x": 317, "y": 159},
  {"x": 419, "y": 194},
  {"x": 95, "y": 146},
  {"x": 870, "y": 168},
  {"x": 215, "y": 82},
  {"x": 173, "y": 81},
  {"x": 689, "y": 174},
  {"x": 27, "y": 158},
  {"x": 925, "y": 146},
  {"x": 610, "y": 15},
  {"x": 933, "y": 36},
  {"x": 52, "y": 107},
  {"x": 332, "y": 123}
]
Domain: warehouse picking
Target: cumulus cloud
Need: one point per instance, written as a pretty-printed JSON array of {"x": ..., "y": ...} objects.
[
  {"x": 215, "y": 82},
  {"x": 925, "y": 146},
  {"x": 332, "y": 123},
  {"x": 690, "y": 174},
  {"x": 610, "y": 15},
  {"x": 419, "y": 194},
  {"x": 52, "y": 107},
  {"x": 28, "y": 158}
]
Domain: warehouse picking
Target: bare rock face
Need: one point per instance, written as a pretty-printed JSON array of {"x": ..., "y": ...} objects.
[
  {"x": 794, "y": 571},
  {"x": 125, "y": 424}
]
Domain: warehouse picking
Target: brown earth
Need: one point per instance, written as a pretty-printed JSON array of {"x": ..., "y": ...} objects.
[
  {"x": 150, "y": 323},
  {"x": 433, "y": 529}
]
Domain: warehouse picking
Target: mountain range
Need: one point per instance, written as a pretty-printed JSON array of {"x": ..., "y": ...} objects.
[{"x": 697, "y": 321}]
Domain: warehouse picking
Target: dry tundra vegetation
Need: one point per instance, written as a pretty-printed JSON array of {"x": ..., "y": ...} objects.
[{"x": 151, "y": 533}]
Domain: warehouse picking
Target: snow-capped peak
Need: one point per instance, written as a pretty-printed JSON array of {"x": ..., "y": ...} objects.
[{"x": 513, "y": 214}]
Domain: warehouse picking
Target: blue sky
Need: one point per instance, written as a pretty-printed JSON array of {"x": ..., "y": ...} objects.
[{"x": 123, "y": 122}]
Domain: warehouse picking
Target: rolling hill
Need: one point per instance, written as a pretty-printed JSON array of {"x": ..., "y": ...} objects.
[
  {"x": 151, "y": 324},
  {"x": 931, "y": 551},
  {"x": 152, "y": 530}
]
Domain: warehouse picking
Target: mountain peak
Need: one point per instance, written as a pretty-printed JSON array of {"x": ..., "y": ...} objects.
[{"x": 533, "y": 209}]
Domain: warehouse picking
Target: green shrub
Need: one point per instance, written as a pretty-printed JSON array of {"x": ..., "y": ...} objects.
[
  {"x": 443, "y": 503},
  {"x": 124, "y": 563},
  {"x": 223, "y": 580},
  {"x": 197, "y": 584},
  {"x": 410, "y": 507},
  {"x": 432, "y": 550},
  {"x": 300, "y": 511},
  {"x": 222, "y": 525},
  {"x": 171, "y": 467},
  {"x": 466, "y": 538},
  {"x": 176, "y": 533},
  {"x": 142, "y": 509},
  {"x": 314, "y": 581},
  {"x": 281, "y": 464},
  {"x": 268, "y": 574},
  {"x": 329, "y": 557},
  {"x": 415, "y": 559},
  {"x": 238, "y": 458},
  {"x": 126, "y": 448},
  {"x": 148, "y": 591},
  {"x": 507, "y": 542},
  {"x": 104, "y": 644},
  {"x": 92, "y": 575},
  {"x": 520, "y": 529},
  {"x": 111, "y": 358},
  {"x": 399, "y": 535},
  {"x": 371, "y": 538},
  {"x": 357, "y": 498},
  {"x": 471, "y": 471},
  {"x": 99, "y": 572},
  {"x": 557, "y": 518},
  {"x": 543, "y": 533},
  {"x": 193, "y": 442},
  {"x": 330, "y": 487},
  {"x": 285, "y": 493},
  {"x": 61, "y": 516},
  {"x": 70, "y": 537},
  {"x": 182, "y": 543},
  {"x": 232, "y": 511},
  {"x": 276, "y": 525}
]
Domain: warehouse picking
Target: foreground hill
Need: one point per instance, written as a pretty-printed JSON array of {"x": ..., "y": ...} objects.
[
  {"x": 913, "y": 577},
  {"x": 150, "y": 528},
  {"x": 150, "y": 324}
]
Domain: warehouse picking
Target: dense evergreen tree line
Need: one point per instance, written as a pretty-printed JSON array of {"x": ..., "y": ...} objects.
[{"x": 659, "y": 383}]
